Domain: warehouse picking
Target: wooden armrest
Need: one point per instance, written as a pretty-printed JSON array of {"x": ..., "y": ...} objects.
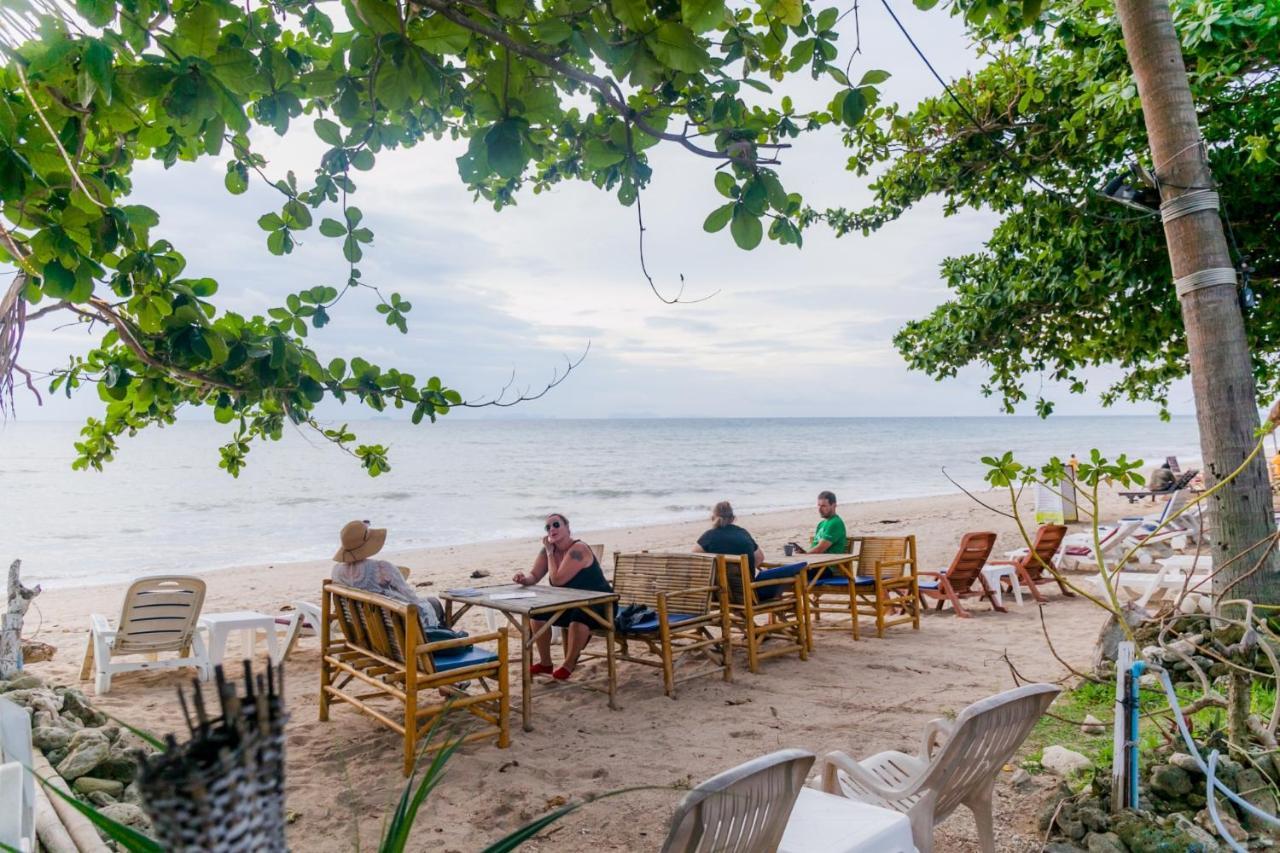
[
  {"x": 690, "y": 591},
  {"x": 441, "y": 645}
]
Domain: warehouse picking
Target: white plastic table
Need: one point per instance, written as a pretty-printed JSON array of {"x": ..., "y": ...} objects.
[
  {"x": 249, "y": 622},
  {"x": 826, "y": 823},
  {"x": 993, "y": 574}
]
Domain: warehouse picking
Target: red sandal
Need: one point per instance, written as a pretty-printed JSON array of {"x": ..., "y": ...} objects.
[
  {"x": 561, "y": 674},
  {"x": 541, "y": 669}
]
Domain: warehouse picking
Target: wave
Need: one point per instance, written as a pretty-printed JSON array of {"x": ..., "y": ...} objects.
[{"x": 397, "y": 496}]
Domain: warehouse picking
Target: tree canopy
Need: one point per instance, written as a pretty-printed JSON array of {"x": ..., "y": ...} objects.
[
  {"x": 1068, "y": 279},
  {"x": 543, "y": 91}
]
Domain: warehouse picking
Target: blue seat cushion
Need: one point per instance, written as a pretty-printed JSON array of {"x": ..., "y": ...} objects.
[
  {"x": 650, "y": 623},
  {"x": 929, "y": 584},
  {"x": 788, "y": 571},
  {"x": 461, "y": 656}
]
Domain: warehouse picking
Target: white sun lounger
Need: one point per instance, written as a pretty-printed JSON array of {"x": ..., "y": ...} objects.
[{"x": 159, "y": 614}]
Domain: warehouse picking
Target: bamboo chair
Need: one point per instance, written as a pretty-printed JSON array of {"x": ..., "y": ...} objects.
[
  {"x": 1031, "y": 566},
  {"x": 887, "y": 580},
  {"x": 832, "y": 582},
  {"x": 690, "y": 594},
  {"x": 376, "y": 632},
  {"x": 957, "y": 580},
  {"x": 778, "y": 596},
  {"x": 159, "y": 614},
  {"x": 957, "y": 765}
]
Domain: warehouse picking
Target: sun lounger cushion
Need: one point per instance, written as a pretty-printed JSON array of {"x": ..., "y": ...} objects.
[
  {"x": 769, "y": 593},
  {"x": 462, "y": 656},
  {"x": 650, "y": 622}
]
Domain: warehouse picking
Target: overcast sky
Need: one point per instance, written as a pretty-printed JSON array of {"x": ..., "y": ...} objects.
[{"x": 791, "y": 332}]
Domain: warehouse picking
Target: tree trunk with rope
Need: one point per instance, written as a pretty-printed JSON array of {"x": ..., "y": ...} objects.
[
  {"x": 11, "y": 623},
  {"x": 1240, "y": 514}
]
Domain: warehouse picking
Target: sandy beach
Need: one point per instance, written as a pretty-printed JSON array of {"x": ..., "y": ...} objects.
[{"x": 344, "y": 776}]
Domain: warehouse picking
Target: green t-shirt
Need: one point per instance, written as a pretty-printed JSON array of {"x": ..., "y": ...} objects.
[{"x": 832, "y": 530}]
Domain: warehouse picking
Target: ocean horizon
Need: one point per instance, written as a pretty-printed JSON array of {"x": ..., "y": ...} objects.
[{"x": 164, "y": 506}]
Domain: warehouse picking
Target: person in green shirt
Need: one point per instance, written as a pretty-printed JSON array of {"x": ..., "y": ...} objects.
[{"x": 830, "y": 534}]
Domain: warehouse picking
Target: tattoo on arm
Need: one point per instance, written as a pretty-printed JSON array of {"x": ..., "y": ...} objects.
[{"x": 576, "y": 552}]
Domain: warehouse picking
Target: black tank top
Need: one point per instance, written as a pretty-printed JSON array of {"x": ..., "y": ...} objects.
[{"x": 591, "y": 578}]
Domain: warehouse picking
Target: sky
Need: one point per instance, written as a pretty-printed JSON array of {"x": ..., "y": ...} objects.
[{"x": 518, "y": 292}]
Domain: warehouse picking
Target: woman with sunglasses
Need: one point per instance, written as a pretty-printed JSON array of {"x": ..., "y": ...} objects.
[{"x": 566, "y": 562}]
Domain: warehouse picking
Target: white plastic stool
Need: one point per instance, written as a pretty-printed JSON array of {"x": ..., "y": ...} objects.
[
  {"x": 993, "y": 574},
  {"x": 249, "y": 623}
]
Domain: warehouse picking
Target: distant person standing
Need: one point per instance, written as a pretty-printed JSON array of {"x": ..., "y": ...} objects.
[
  {"x": 830, "y": 534},
  {"x": 727, "y": 538}
]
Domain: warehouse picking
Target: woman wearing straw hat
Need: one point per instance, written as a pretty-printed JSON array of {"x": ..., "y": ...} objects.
[{"x": 353, "y": 568}]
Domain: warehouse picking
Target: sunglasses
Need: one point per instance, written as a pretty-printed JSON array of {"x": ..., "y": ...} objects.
[{"x": 547, "y": 527}]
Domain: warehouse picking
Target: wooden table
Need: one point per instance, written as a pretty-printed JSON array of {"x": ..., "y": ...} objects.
[
  {"x": 840, "y": 563},
  {"x": 545, "y": 605}
]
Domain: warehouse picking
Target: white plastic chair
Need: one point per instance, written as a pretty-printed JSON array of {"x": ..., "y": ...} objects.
[
  {"x": 743, "y": 810},
  {"x": 159, "y": 614},
  {"x": 1112, "y": 541},
  {"x": 17, "y": 786},
  {"x": 957, "y": 764}
]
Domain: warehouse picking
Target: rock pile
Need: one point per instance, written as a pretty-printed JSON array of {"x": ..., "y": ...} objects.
[{"x": 98, "y": 760}]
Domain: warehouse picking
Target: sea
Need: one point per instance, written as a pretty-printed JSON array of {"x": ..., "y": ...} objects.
[{"x": 164, "y": 505}]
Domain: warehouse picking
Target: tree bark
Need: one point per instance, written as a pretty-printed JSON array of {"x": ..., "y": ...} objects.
[
  {"x": 1240, "y": 514},
  {"x": 11, "y": 623}
]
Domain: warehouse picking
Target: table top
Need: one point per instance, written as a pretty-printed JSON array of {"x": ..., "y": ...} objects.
[
  {"x": 827, "y": 823},
  {"x": 234, "y": 616},
  {"x": 545, "y": 597},
  {"x": 774, "y": 560}
]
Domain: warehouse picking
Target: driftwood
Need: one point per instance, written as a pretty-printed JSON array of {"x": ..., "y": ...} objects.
[
  {"x": 53, "y": 836},
  {"x": 77, "y": 825},
  {"x": 11, "y": 623}
]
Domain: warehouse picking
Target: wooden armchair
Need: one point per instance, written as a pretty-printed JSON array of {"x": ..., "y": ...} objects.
[
  {"x": 689, "y": 593},
  {"x": 887, "y": 580},
  {"x": 964, "y": 577},
  {"x": 1040, "y": 564},
  {"x": 371, "y": 651},
  {"x": 777, "y": 595}
]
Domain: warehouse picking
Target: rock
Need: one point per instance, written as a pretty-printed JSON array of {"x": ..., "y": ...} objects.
[
  {"x": 1105, "y": 842},
  {"x": 1050, "y": 809},
  {"x": 77, "y": 705},
  {"x": 1093, "y": 726},
  {"x": 480, "y": 573},
  {"x": 84, "y": 757},
  {"x": 88, "y": 735},
  {"x": 1185, "y": 762},
  {"x": 36, "y": 699},
  {"x": 1064, "y": 762},
  {"x": 1205, "y": 840},
  {"x": 132, "y": 794},
  {"x": 128, "y": 814},
  {"x": 55, "y": 756},
  {"x": 44, "y": 718},
  {"x": 1072, "y": 828},
  {"x": 26, "y": 681},
  {"x": 1149, "y": 680},
  {"x": 1112, "y": 635},
  {"x": 90, "y": 784},
  {"x": 1093, "y": 818},
  {"x": 1229, "y": 823},
  {"x": 116, "y": 767},
  {"x": 1169, "y": 781},
  {"x": 1141, "y": 832},
  {"x": 34, "y": 651},
  {"x": 71, "y": 721},
  {"x": 1253, "y": 789},
  {"x": 1020, "y": 778},
  {"x": 46, "y": 738},
  {"x": 100, "y": 799},
  {"x": 1061, "y": 847}
]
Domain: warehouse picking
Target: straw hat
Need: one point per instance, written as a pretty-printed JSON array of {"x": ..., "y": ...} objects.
[{"x": 359, "y": 542}]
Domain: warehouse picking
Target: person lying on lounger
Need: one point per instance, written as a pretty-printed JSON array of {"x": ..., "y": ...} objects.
[{"x": 564, "y": 561}]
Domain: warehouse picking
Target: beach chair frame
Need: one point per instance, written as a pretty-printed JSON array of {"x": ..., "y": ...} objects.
[
  {"x": 957, "y": 764},
  {"x": 375, "y": 632},
  {"x": 784, "y": 616},
  {"x": 958, "y": 580},
  {"x": 159, "y": 613},
  {"x": 887, "y": 580},
  {"x": 683, "y": 585},
  {"x": 1030, "y": 567}
]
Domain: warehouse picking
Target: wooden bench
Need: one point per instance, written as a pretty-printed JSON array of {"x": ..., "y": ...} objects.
[
  {"x": 375, "y": 632},
  {"x": 690, "y": 594}
]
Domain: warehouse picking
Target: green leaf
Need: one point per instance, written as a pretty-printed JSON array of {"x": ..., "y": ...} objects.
[
  {"x": 789, "y": 12},
  {"x": 505, "y": 148},
  {"x": 676, "y": 47},
  {"x": 380, "y": 16},
  {"x": 329, "y": 132},
  {"x": 746, "y": 228},
  {"x": 874, "y": 77},
  {"x": 701, "y": 15},
  {"x": 827, "y": 18},
  {"x": 332, "y": 228},
  {"x": 632, "y": 13},
  {"x": 925, "y": 5},
  {"x": 97, "y": 61},
  {"x": 726, "y": 185},
  {"x": 270, "y": 222},
  {"x": 853, "y": 107},
  {"x": 718, "y": 218},
  {"x": 1031, "y": 11},
  {"x": 196, "y": 33},
  {"x": 597, "y": 154}
]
